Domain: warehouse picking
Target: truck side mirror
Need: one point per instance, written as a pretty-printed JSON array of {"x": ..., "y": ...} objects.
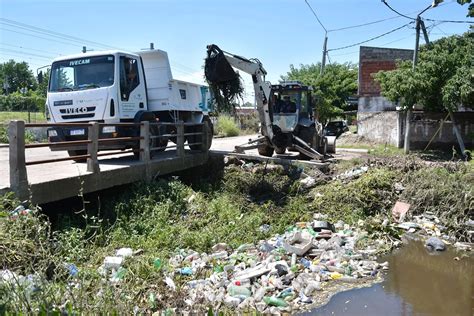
[{"x": 40, "y": 77}]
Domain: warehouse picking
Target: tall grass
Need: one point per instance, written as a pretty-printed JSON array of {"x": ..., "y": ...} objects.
[{"x": 227, "y": 126}]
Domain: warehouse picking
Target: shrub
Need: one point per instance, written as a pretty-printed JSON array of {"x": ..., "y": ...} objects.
[
  {"x": 16, "y": 102},
  {"x": 227, "y": 126}
]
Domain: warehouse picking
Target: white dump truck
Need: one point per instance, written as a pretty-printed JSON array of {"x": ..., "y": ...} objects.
[{"x": 119, "y": 87}]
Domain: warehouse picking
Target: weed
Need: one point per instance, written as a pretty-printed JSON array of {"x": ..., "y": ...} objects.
[{"x": 227, "y": 126}]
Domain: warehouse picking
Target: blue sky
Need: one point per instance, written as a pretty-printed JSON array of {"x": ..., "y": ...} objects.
[{"x": 278, "y": 32}]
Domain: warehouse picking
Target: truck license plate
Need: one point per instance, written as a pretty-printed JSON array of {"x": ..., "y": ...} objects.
[{"x": 75, "y": 132}]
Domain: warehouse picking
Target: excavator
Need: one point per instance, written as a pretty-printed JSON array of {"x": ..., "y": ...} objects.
[{"x": 285, "y": 110}]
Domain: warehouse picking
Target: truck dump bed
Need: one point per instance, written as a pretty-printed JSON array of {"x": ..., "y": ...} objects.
[{"x": 167, "y": 94}]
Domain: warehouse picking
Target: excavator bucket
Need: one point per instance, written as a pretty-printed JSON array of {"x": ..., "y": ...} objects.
[{"x": 223, "y": 80}]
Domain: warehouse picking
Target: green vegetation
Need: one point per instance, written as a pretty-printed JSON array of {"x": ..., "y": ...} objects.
[
  {"x": 34, "y": 117},
  {"x": 443, "y": 78},
  {"x": 227, "y": 126},
  {"x": 29, "y": 137},
  {"x": 171, "y": 214},
  {"x": 331, "y": 90}
]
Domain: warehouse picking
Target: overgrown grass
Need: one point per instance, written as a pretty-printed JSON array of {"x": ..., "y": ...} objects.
[
  {"x": 169, "y": 214},
  {"x": 227, "y": 126},
  {"x": 34, "y": 117}
]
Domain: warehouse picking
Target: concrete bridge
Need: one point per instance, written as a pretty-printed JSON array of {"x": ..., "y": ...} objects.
[{"x": 40, "y": 175}]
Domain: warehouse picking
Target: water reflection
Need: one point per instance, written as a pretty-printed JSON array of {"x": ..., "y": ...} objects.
[{"x": 418, "y": 283}]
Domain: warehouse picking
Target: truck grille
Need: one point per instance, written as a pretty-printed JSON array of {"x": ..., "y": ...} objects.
[{"x": 77, "y": 113}]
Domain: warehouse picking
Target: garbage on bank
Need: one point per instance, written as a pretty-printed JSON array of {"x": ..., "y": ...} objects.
[{"x": 283, "y": 273}]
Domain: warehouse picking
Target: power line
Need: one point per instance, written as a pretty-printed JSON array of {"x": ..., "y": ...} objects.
[
  {"x": 400, "y": 14},
  {"x": 315, "y": 15},
  {"x": 28, "y": 54},
  {"x": 364, "y": 24},
  {"x": 370, "y": 39},
  {"x": 36, "y": 29},
  {"x": 40, "y": 37},
  {"x": 449, "y": 21},
  {"x": 29, "y": 48}
]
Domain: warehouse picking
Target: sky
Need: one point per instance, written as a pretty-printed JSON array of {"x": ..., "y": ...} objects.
[{"x": 277, "y": 32}]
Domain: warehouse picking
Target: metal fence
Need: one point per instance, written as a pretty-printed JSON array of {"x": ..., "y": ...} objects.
[{"x": 27, "y": 116}]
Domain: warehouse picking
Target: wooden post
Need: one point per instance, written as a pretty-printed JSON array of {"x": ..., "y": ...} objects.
[
  {"x": 145, "y": 141},
  {"x": 18, "y": 175},
  {"x": 92, "y": 148},
  {"x": 180, "y": 139}
]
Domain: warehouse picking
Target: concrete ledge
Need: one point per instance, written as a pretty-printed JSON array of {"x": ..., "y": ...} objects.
[{"x": 56, "y": 190}]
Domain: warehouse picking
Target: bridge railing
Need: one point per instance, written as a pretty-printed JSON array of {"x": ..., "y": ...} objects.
[{"x": 146, "y": 144}]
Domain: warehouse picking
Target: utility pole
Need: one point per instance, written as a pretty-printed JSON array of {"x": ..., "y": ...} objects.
[
  {"x": 419, "y": 24},
  {"x": 323, "y": 62},
  {"x": 406, "y": 146}
]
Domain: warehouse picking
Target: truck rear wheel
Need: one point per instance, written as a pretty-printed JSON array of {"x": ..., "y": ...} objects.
[
  {"x": 73, "y": 153},
  {"x": 265, "y": 150},
  {"x": 204, "y": 141}
]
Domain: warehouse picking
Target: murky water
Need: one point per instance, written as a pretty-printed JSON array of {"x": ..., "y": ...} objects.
[{"x": 418, "y": 283}]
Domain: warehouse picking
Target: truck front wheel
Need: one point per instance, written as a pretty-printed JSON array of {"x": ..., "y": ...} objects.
[
  {"x": 265, "y": 150},
  {"x": 204, "y": 141}
]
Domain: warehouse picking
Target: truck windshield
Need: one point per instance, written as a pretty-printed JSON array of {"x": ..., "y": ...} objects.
[{"x": 82, "y": 73}]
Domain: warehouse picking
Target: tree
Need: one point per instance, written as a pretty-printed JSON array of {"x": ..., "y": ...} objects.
[
  {"x": 443, "y": 79},
  {"x": 331, "y": 90},
  {"x": 14, "y": 76},
  {"x": 470, "y": 10}
]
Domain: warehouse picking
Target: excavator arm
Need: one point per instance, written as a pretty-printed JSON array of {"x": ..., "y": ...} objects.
[{"x": 218, "y": 70}]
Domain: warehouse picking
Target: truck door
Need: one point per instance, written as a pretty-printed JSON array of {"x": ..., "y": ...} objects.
[{"x": 132, "y": 87}]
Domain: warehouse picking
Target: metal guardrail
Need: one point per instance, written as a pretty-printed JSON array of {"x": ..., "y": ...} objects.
[{"x": 17, "y": 146}]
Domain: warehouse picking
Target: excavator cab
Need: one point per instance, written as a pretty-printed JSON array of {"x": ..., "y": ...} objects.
[{"x": 289, "y": 103}]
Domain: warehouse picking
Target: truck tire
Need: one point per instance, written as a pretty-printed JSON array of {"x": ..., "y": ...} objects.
[
  {"x": 205, "y": 139},
  {"x": 280, "y": 150},
  {"x": 265, "y": 150},
  {"x": 81, "y": 152},
  {"x": 308, "y": 134},
  {"x": 331, "y": 141}
]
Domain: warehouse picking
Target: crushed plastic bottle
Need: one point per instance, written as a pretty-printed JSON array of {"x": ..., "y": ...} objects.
[{"x": 274, "y": 301}]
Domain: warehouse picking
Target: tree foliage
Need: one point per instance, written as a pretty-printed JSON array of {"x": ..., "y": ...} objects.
[
  {"x": 470, "y": 10},
  {"x": 443, "y": 79},
  {"x": 331, "y": 90},
  {"x": 16, "y": 76}
]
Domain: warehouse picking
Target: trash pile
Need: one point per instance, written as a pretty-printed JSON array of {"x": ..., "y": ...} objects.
[
  {"x": 428, "y": 225},
  {"x": 284, "y": 273}
]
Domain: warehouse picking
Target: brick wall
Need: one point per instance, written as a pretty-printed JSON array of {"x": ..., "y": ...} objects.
[{"x": 373, "y": 60}]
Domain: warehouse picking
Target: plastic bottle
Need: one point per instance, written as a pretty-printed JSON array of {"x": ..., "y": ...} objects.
[
  {"x": 293, "y": 259},
  {"x": 238, "y": 291},
  {"x": 273, "y": 301},
  {"x": 259, "y": 294}
]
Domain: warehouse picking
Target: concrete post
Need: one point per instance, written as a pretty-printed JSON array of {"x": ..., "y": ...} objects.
[
  {"x": 18, "y": 175},
  {"x": 458, "y": 135},
  {"x": 145, "y": 141},
  {"x": 180, "y": 139},
  {"x": 92, "y": 148},
  {"x": 205, "y": 138}
]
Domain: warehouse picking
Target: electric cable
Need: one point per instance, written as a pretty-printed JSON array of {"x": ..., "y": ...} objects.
[
  {"x": 315, "y": 15},
  {"x": 370, "y": 39}
]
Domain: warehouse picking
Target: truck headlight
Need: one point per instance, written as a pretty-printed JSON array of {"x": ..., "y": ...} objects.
[
  {"x": 52, "y": 133},
  {"x": 108, "y": 129}
]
